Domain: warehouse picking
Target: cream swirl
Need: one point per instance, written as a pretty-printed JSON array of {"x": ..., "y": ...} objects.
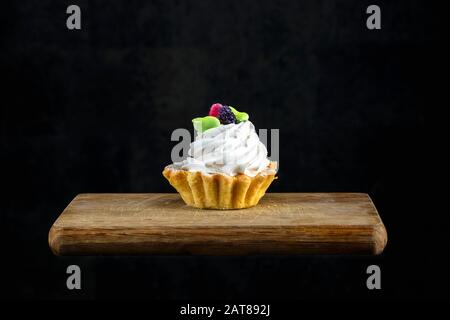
[{"x": 229, "y": 149}]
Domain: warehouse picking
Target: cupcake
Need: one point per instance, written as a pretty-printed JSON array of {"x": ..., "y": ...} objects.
[{"x": 227, "y": 165}]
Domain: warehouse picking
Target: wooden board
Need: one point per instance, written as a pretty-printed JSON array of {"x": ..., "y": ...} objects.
[{"x": 282, "y": 223}]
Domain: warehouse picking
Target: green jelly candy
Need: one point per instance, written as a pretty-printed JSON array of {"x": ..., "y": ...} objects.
[
  {"x": 205, "y": 123},
  {"x": 240, "y": 116},
  {"x": 234, "y": 110}
]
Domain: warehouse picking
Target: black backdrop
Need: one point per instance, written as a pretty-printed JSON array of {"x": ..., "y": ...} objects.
[{"x": 93, "y": 110}]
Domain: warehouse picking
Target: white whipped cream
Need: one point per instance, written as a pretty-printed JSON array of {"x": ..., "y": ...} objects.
[{"x": 228, "y": 149}]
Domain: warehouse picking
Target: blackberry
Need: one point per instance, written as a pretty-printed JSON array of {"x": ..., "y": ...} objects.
[{"x": 226, "y": 116}]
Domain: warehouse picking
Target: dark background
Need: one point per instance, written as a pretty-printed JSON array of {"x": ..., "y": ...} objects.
[{"x": 93, "y": 110}]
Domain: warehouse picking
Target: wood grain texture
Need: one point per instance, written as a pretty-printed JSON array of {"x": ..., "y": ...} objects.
[{"x": 282, "y": 223}]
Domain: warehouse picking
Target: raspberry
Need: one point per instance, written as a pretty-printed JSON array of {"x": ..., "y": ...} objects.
[
  {"x": 215, "y": 108},
  {"x": 226, "y": 116}
]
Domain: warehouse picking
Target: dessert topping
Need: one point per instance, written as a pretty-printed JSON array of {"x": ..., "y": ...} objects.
[
  {"x": 226, "y": 116},
  {"x": 219, "y": 114},
  {"x": 215, "y": 108},
  {"x": 204, "y": 123},
  {"x": 240, "y": 116}
]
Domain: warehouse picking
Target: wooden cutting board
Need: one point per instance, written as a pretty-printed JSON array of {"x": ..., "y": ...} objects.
[{"x": 282, "y": 223}]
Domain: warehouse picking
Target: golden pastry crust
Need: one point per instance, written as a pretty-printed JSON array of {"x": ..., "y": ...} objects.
[{"x": 219, "y": 191}]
